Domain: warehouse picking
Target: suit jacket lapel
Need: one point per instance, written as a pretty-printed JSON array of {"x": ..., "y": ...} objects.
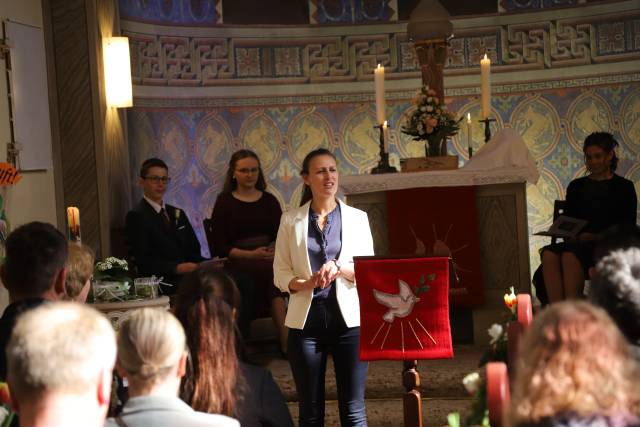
[
  {"x": 346, "y": 238},
  {"x": 301, "y": 231}
]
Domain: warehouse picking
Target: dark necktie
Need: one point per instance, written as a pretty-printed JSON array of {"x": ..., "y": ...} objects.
[{"x": 165, "y": 218}]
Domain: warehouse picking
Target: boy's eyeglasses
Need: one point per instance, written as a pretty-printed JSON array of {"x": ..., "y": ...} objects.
[{"x": 158, "y": 179}]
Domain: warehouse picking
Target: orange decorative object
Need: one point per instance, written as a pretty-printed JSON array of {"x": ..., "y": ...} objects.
[{"x": 9, "y": 174}]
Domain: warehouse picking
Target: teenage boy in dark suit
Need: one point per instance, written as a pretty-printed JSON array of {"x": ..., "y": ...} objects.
[{"x": 160, "y": 235}]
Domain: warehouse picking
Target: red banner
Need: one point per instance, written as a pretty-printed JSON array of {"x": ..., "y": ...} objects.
[
  {"x": 440, "y": 221},
  {"x": 404, "y": 308}
]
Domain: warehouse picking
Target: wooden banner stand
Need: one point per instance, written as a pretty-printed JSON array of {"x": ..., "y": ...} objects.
[
  {"x": 411, "y": 400},
  {"x": 413, "y": 292}
]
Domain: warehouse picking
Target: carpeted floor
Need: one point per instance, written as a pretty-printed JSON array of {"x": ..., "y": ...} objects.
[{"x": 441, "y": 380}]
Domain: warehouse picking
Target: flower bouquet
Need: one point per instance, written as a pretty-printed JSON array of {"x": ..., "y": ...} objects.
[
  {"x": 111, "y": 280},
  {"x": 431, "y": 122}
]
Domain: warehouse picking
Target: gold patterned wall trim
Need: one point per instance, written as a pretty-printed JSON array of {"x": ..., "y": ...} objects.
[
  {"x": 188, "y": 57},
  {"x": 200, "y": 101},
  {"x": 75, "y": 113}
]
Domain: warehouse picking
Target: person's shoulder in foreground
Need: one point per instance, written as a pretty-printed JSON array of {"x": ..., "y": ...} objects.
[{"x": 162, "y": 411}]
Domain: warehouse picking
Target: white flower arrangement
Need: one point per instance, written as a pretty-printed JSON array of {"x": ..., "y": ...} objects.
[
  {"x": 431, "y": 122},
  {"x": 495, "y": 332},
  {"x": 112, "y": 263},
  {"x": 472, "y": 382},
  {"x": 111, "y": 280}
]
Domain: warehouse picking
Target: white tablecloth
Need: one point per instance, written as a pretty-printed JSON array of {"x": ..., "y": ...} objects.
[{"x": 505, "y": 159}]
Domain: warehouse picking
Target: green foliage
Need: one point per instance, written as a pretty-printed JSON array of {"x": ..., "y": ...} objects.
[{"x": 423, "y": 287}]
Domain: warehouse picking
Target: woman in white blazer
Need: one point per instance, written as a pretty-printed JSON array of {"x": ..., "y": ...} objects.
[{"x": 313, "y": 262}]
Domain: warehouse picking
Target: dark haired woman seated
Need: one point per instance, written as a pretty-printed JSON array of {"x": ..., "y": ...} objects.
[
  {"x": 603, "y": 199},
  {"x": 216, "y": 382}
]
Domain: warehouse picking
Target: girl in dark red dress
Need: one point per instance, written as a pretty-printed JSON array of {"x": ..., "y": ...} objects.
[{"x": 245, "y": 225}]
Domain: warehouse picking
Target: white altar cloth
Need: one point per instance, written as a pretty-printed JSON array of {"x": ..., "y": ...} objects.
[{"x": 505, "y": 159}]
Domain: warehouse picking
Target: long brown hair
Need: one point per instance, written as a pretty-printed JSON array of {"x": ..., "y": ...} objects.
[
  {"x": 230, "y": 183},
  {"x": 306, "y": 190},
  {"x": 205, "y": 306}
]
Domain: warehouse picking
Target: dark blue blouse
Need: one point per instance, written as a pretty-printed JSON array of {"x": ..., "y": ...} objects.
[{"x": 324, "y": 245}]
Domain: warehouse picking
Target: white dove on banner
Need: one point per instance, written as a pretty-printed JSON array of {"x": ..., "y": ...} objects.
[{"x": 400, "y": 305}]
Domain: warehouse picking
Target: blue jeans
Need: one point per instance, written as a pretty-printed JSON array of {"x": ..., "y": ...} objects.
[{"x": 325, "y": 332}]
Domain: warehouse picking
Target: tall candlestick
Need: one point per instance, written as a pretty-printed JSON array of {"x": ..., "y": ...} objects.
[
  {"x": 385, "y": 130},
  {"x": 73, "y": 223},
  {"x": 379, "y": 80},
  {"x": 485, "y": 88},
  {"x": 469, "y": 135}
]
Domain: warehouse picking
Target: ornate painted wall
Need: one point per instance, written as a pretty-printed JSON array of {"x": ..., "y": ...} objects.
[{"x": 582, "y": 86}]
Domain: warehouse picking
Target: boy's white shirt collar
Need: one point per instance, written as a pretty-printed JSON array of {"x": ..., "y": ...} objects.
[{"x": 157, "y": 207}]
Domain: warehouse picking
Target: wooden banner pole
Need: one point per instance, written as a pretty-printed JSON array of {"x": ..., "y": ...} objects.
[{"x": 411, "y": 399}]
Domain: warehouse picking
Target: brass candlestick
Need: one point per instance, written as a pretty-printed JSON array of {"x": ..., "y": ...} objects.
[
  {"x": 487, "y": 129},
  {"x": 383, "y": 164}
]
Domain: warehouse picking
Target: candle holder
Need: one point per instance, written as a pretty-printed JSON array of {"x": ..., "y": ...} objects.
[
  {"x": 487, "y": 129},
  {"x": 383, "y": 164},
  {"x": 470, "y": 149}
]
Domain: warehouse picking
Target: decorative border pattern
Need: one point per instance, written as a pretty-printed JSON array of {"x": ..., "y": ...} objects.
[
  {"x": 170, "y": 60},
  {"x": 172, "y": 12},
  {"x": 391, "y": 96},
  {"x": 529, "y": 5},
  {"x": 352, "y": 11}
]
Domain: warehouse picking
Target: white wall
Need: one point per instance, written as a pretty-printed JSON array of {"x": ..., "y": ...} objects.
[{"x": 33, "y": 198}]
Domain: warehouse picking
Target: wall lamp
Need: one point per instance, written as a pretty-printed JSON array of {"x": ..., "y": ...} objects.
[{"x": 117, "y": 71}]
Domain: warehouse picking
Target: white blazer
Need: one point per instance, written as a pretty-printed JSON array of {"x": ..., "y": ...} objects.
[{"x": 292, "y": 260}]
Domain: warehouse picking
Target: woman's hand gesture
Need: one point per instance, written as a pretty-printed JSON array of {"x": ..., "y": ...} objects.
[
  {"x": 302, "y": 285},
  {"x": 327, "y": 274}
]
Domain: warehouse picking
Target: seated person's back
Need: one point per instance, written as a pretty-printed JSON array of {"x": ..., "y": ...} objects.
[
  {"x": 33, "y": 272},
  {"x": 152, "y": 356},
  {"x": 615, "y": 280},
  {"x": 575, "y": 369},
  {"x": 217, "y": 382},
  {"x": 60, "y": 360}
]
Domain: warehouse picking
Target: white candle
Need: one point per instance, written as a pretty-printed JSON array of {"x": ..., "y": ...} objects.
[
  {"x": 385, "y": 132},
  {"x": 485, "y": 88},
  {"x": 468, "y": 130},
  {"x": 379, "y": 80}
]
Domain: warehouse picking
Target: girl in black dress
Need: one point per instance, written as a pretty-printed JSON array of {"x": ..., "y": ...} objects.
[{"x": 603, "y": 199}]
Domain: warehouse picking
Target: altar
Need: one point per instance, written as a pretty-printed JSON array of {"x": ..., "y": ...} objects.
[{"x": 499, "y": 177}]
